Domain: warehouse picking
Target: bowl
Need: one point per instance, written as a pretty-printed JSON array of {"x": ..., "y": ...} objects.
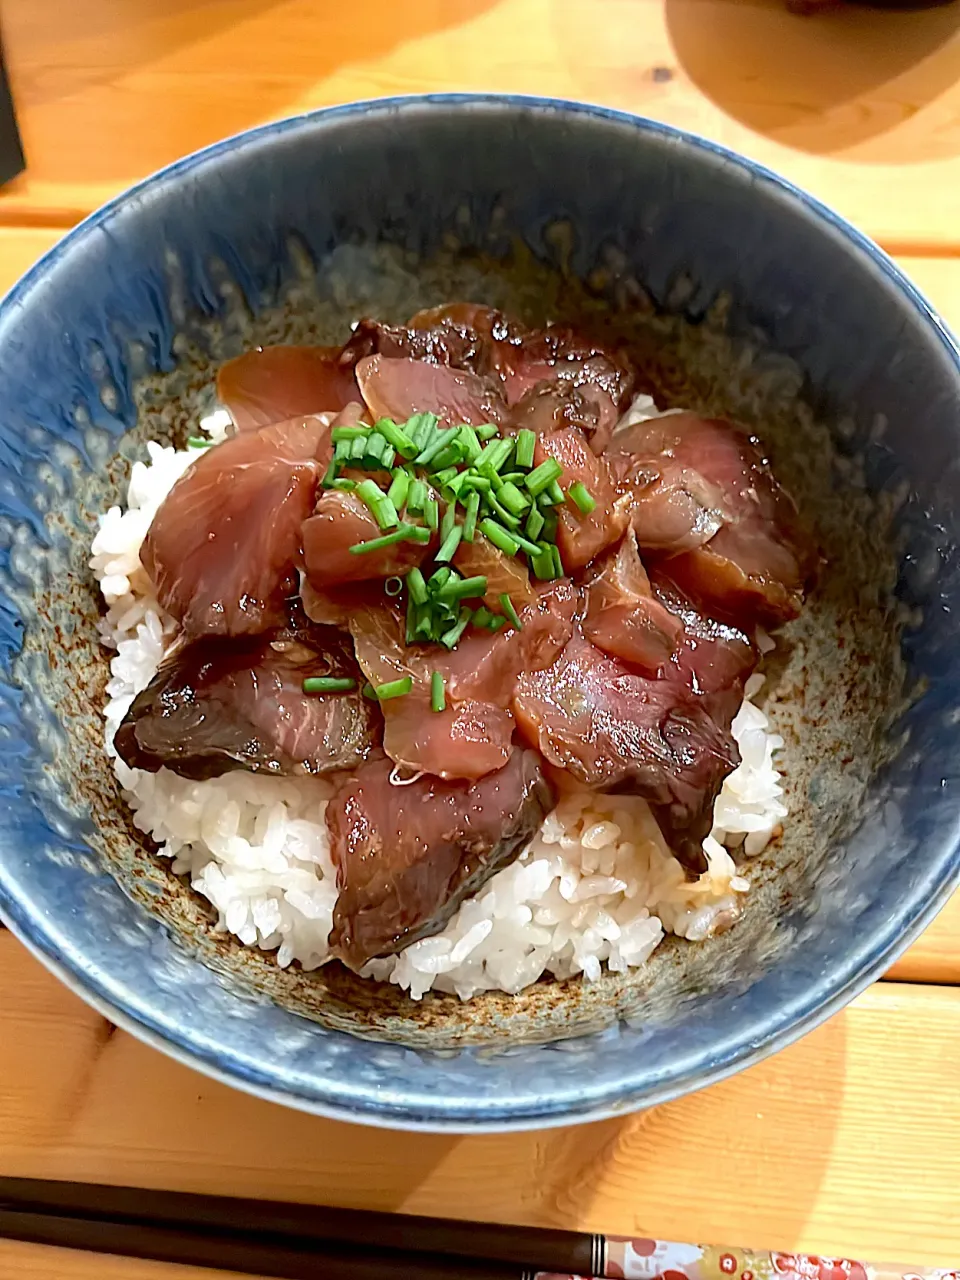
[{"x": 750, "y": 299}]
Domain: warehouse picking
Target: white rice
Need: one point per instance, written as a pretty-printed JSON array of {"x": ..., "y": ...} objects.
[{"x": 597, "y": 886}]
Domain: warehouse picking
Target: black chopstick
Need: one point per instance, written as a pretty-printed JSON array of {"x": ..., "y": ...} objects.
[
  {"x": 348, "y": 1239},
  {"x": 245, "y": 1253}
]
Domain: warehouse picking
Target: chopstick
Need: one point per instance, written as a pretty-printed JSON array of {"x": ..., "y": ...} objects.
[
  {"x": 175, "y": 1226},
  {"x": 307, "y": 1242},
  {"x": 242, "y": 1252}
]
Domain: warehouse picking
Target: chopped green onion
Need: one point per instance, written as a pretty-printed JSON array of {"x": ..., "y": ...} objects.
[
  {"x": 440, "y": 478},
  {"x": 506, "y": 604},
  {"x": 542, "y": 476},
  {"x": 349, "y": 433},
  {"x": 328, "y": 684},
  {"x": 368, "y": 690},
  {"x": 450, "y": 638},
  {"x": 401, "y": 441},
  {"x": 582, "y": 496},
  {"x": 399, "y": 487},
  {"x": 416, "y": 586},
  {"x": 416, "y": 496},
  {"x": 346, "y": 486},
  {"x": 331, "y": 473},
  {"x": 431, "y": 514},
  {"x": 198, "y": 442},
  {"x": 458, "y": 483},
  {"x": 440, "y": 576},
  {"x": 463, "y": 588},
  {"x": 470, "y": 442},
  {"x": 379, "y": 453},
  {"x": 451, "y": 454},
  {"x": 487, "y": 431},
  {"x": 535, "y": 523},
  {"x": 480, "y": 483},
  {"x": 438, "y": 699},
  {"x": 393, "y": 586},
  {"x": 484, "y": 618},
  {"x": 413, "y": 620},
  {"x": 510, "y": 496},
  {"x": 420, "y": 428},
  {"x": 549, "y": 533},
  {"x": 425, "y": 629},
  {"x": 557, "y": 495},
  {"x": 503, "y": 515},
  {"x": 557, "y": 562},
  {"x": 495, "y": 455},
  {"x": 526, "y": 443},
  {"x": 449, "y": 520},
  {"x": 382, "y": 509},
  {"x": 543, "y": 564},
  {"x": 358, "y": 448},
  {"x": 341, "y": 451},
  {"x": 406, "y": 533},
  {"x": 499, "y": 537},
  {"x": 531, "y": 548},
  {"x": 515, "y": 477},
  {"x": 449, "y": 544},
  {"x": 439, "y": 441},
  {"x": 470, "y": 523},
  {"x": 497, "y": 622},
  {"x": 546, "y": 500},
  {"x": 394, "y": 688}
]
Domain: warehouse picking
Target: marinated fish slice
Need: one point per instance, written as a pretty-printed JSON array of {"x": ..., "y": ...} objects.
[{"x": 407, "y": 856}]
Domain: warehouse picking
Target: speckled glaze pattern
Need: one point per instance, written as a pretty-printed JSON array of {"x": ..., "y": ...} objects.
[{"x": 743, "y": 296}]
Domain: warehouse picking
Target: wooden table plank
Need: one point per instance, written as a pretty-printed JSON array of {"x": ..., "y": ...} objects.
[
  {"x": 848, "y": 1143},
  {"x": 861, "y": 108}
]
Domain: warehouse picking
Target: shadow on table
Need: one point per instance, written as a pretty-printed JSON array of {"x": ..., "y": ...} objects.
[{"x": 871, "y": 84}]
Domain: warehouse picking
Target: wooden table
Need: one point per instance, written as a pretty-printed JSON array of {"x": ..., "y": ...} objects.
[{"x": 848, "y": 1143}]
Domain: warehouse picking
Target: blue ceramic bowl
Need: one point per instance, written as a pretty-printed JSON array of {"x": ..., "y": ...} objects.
[{"x": 752, "y": 299}]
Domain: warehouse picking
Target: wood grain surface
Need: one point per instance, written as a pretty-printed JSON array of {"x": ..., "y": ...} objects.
[
  {"x": 861, "y": 108},
  {"x": 847, "y": 1143}
]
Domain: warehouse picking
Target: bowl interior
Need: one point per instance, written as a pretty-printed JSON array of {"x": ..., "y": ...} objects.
[{"x": 741, "y": 300}]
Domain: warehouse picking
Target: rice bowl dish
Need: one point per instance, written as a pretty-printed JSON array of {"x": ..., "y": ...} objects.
[{"x": 596, "y": 886}]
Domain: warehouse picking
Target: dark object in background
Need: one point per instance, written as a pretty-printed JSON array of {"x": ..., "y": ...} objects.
[
  {"x": 815, "y": 6},
  {"x": 12, "y": 159}
]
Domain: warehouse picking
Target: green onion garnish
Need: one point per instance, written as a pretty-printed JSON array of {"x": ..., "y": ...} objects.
[
  {"x": 495, "y": 455},
  {"x": 438, "y": 698},
  {"x": 463, "y": 588},
  {"x": 557, "y": 496},
  {"x": 441, "y": 478},
  {"x": 449, "y": 544},
  {"x": 542, "y": 476},
  {"x": 416, "y": 496},
  {"x": 328, "y": 684},
  {"x": 440, "y": 439},
  {"x": 406, "y": 533},
  {"x": 413, "y": 620},
  {"x": 542, "y": 564},
  {"x": 379, "y": 504},
  {"x": 416, "y": 586},
  {"x": 487, "y": 431},
  {"x": 535, "y": 523},
  {"x": 483, "y": 618},
  {"x": 470, "y": 523},
  {"x": 198, "y": 442},
  {"x": 509, "y": 496},
  {"x": 504, "y": 516},
  {"x": 431, "y": 514},
  {"x": 341, "y": 451},
  {"x": 470, "y": 442},
  {"x": 368, "y": 690},
  {"x": 346, "y": 486},
  {"x": 394, "y": 688},
  {"x": 420, "y": 428},
  {"x": 349, "y": 433},
  {"x": 331, "y": 473},
  {"x": 398, "y": 438},
  {"x": 393, "y": 586},
  {"x": 357, "y": 447},
  {"x": 526, "y": 443},
  {"x": 582, "y": 496},
  {"x": 450, "y": 638},
  {"x": 531, "y": 548},
  {"x": 399, "y": 487},
  {"x": 499, "y": 536},
  {"x": 449, "y": 520},
  {"x": 506, "y": 604}
]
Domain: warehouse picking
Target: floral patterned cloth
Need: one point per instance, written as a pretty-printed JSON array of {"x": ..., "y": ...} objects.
[{"x": 622, "y": 1258}]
